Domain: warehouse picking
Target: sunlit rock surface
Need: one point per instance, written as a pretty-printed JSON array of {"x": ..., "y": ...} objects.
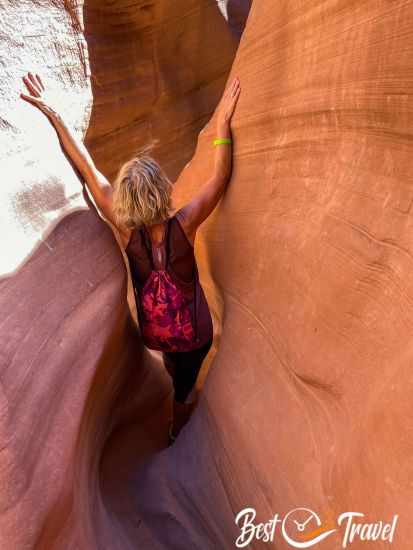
[
  {"x": 72, "y": 368},
  {"x": 306, "y": 264}
]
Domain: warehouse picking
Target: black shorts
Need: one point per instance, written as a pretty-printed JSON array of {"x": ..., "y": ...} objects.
[{"x": 184, "y": 366}]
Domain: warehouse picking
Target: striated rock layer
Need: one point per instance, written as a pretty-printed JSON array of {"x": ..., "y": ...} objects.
[
  {"x": 307, "y": 401},
  {"x": 306, "y": 264},
  {"x": 126, "y": 74},
  {"x": 157, "y": 72}
]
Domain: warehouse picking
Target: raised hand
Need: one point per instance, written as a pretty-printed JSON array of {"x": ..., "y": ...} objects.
[
  {"x": 38, "y": 96},
  {"x": 228, "y": 101}
]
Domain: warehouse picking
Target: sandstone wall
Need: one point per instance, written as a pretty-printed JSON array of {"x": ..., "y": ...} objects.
[
  {"x": 69, "y": 346},
  {"x": 306, "y": 264}
]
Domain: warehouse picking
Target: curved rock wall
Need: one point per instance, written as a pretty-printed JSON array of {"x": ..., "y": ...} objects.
[
  {"x": 157, "y": 71},
  {"x": 306, "y": 264},
  {"x": 69, "y": 347},
  {"x": 307, "y": 402},
  {"x": 65, "y": 326}
]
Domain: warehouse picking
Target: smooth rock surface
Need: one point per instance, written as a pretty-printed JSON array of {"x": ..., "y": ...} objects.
[
  {"x": 307, "y": 402},
  {"x": 306, "y": 264},
  {"x": 69, "y": 346},
  {"x": 157, "y": 72}
]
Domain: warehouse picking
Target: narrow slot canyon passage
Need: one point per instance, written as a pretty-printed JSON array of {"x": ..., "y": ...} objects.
[{"x": 304, "y": 399}]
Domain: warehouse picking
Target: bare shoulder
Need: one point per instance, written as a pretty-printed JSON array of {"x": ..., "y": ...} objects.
[
  {"x": 185, "y": 224},
  {"x": 125, "y": 234}
]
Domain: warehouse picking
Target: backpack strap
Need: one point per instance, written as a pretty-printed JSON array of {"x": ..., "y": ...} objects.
[
  {"x": 166, "y": 243},
  {"x": 148, "y": 245}
]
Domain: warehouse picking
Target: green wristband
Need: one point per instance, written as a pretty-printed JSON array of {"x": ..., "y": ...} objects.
[{"x": 220, "y": 141}]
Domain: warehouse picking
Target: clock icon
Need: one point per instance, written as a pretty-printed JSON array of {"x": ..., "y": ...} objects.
[{"x": 302, "y": 528}]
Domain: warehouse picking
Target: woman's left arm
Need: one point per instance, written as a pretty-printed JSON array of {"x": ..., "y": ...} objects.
[{"x": 97, "y": 183}]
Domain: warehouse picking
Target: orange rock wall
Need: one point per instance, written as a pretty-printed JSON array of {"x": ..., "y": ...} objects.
[
  {"x": 310, "y": 252},
  {"x": 306, "y": 264},
  {"x": 69, "y": 347},
  {"x": 157, "y": 71}
]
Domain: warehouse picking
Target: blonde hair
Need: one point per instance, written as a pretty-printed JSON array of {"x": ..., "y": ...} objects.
[{"x": 142, "y": 192}]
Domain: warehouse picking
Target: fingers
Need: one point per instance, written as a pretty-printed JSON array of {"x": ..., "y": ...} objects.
[
  {"x": 37, "y": 102},
  {"x": 235, "y": 87},
  {"x": 237, "y": 90},
  {"x": 235, "y": 93},
  {"x": 35, "y": 83},
  {"x": 32, "y": 84},
  {"x": 40, "y": 82},
  {"x": 29, "y": 98},
  {"x": 234, "y": 98},
  {"x": 229, "y": 99},
  {"x": 32, "y": 79},
  {"x": 235, "y": 83},
  {"x": 30, "y": 87},
  {"x": 233, "y": 90},
  {"x": 229, "y": 89}
]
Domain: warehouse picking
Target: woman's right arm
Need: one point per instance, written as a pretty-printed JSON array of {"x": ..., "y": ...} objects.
[
  {"x": 201, "y": 206},
  {"x": 96, "y": 182}
]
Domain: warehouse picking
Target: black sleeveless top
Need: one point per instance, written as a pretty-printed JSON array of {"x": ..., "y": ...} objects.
[{"x": 144, "y": 256}]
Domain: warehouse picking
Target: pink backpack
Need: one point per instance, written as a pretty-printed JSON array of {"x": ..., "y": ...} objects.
[{"x": 166, "y": 320}]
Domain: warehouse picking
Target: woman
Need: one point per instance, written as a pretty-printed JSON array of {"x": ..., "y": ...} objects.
[{"x": 172, "y": 310}]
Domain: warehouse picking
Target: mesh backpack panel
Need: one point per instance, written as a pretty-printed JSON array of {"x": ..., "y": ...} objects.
[{"x": 166, "y": 319}]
